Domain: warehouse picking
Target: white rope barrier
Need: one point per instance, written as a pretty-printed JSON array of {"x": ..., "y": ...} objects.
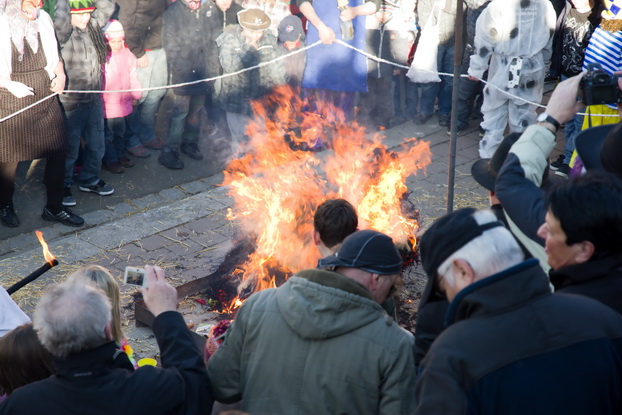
[{"x": 282, "y": 57}]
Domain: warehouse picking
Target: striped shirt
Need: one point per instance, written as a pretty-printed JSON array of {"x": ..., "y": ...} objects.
[{"x": 605, "y": 48}]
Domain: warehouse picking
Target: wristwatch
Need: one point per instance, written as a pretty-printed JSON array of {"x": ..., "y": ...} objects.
[{"x": 544, "y": 117}]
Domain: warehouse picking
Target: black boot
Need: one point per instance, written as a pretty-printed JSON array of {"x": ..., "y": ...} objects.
[
  {"x": 192, "y": 151},
  {"x": 170, "y": 158},
  {"x": 8, "y": 217}
]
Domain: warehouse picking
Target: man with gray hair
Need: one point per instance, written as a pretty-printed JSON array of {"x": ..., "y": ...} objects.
[
  {"x": 511, "y": 346},
  {"x": 73, "y": 321}
]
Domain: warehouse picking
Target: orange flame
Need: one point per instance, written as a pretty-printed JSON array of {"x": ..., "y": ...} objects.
[
  {"x": 277, "y": 187},
  {"x": 49, "y": 257}
]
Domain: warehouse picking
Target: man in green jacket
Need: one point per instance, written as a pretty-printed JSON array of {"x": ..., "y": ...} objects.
[{"x": 321, "y": 343}]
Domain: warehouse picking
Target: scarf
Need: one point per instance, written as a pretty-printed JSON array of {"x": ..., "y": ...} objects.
[{"x": 21, "y": 28}]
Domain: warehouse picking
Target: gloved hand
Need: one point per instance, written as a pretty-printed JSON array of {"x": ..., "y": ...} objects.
[{"x": 18, "y": 89}]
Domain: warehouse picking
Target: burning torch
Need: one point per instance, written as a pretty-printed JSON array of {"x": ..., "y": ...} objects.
[
  {"x": 347, "y": 30},
  {"x": 51, "y": 262}
]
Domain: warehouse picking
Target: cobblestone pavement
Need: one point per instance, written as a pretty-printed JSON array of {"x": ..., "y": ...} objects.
[{"x": 184, "y": 229}]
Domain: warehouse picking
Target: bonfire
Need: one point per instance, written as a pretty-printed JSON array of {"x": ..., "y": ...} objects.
[{"x": 281, "y": 178}]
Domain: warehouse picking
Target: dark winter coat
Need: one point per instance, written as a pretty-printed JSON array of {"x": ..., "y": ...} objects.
[
  {"x": 599, "y": 279},
  {"x": 218, "y": 21},
  {"x": 89, "y": 383},
  {"x": 83, "y": 51},
  {"x": 187, "y": 41},
  {"x": 517, "y": 187},
  {"x": 237, "y": 91},
  {"x": 512, "y": 347},
  {"x": 142, "y": 23}
]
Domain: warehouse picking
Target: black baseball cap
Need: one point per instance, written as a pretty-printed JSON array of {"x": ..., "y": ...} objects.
[
  {"x": 600, "y": 148},
  {"x": 485, "y": 171},
  {"x": 368, "y": 250}
]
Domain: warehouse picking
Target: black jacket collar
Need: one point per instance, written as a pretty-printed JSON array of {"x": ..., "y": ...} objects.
[
  {"x": 87, "y": 364},
  {"x": 580, "y": 273},
  {"x": 506, "y": 290}
]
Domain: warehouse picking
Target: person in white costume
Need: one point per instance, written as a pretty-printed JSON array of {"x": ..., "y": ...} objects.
[{"x": 513, "y": 40}]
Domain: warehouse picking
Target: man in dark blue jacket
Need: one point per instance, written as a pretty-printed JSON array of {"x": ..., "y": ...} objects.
[
  {"x": 511, "y": 346},
  {"x": 578, "y": 224}
]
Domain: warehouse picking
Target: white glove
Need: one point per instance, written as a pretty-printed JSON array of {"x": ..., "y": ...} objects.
[{"x": 18, "y": 89}]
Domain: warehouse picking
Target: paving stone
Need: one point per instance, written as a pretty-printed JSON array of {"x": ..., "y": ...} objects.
[
  {"x": 186, "y": 248},
  {"x": 195, "y": 187},
  {"x": 98, "y": 217},
  {"x": 214, "y": 220},
  {"x": 122, "y": 208},
  {"x": 173, "y": 193},
  {"x": 149, "y": 200},
  {"x": 153, "y": 242}
]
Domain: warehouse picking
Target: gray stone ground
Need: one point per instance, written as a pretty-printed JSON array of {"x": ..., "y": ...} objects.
[{"x": 184, "y": 230}]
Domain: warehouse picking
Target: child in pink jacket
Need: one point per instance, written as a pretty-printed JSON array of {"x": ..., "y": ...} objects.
[{"x": 120, "y": 74}]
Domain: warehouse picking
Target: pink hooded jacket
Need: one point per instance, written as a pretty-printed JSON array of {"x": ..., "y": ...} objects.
[{"x": 120, "y": 73}]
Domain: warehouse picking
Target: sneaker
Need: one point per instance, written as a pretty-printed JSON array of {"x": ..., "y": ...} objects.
[
  {"x": 115, "y": 167},
  {"x": 482, "y": 132},
  {"x": 191, "y": 150},
  {"x": 139, "y": 152},
  {"x": 443, "y": 120},
  {"x": 422, "y": 119},
  {"x": 154, "y": 143},
  {"x": 459, "y": 132},
  {"x": 555, "y": 165},
  {"x": 125, "y": 162},
  {"x": 563, "y": 170},
  {"x": 170, "y": 158},
  {"x": 68, "y": 199},
  {"x": 64, "y": 216},
  {"x": 100, "y": 187},
  {"x": 8, "y": 217}
]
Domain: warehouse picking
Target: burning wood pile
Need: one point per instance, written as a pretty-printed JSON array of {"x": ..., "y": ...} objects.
[{"x": 277, "y": 185}]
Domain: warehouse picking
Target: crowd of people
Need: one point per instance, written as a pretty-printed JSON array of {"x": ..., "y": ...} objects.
[
  {"x": 163, "y": 50},
  {"x": 522, "y": 308}
]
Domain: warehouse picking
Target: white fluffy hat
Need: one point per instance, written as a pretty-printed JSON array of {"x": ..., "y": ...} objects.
[{"x": 114, "y": 30}]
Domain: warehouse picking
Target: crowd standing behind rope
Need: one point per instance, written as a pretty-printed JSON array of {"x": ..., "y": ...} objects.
[
  {"x": 519, "y": 315},
  {"x": 189, "y": 40}
]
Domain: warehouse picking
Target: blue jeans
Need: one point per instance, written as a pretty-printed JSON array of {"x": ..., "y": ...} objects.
[
  {"x": 154, "y": 75},
  {"x": 442, "y": 90},
  {"x": 571, "y": 129},
  {"x": 120, "y": 135},
  {"x": 86, "y": 121}
]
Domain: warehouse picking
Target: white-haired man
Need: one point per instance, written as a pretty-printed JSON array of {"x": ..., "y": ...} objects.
[
  {"x": 73, "y": 321},
  {"x": 511, "y": 346}
]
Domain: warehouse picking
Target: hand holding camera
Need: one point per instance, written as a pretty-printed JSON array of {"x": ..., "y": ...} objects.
[
  {"x": 563, "y": 104},
  {"x": 158, "y": 294},
  {"x": 600, "y": 88}
]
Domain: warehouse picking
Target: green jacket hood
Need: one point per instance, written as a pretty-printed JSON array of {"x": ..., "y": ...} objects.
[{"x": 319, "y": 304}]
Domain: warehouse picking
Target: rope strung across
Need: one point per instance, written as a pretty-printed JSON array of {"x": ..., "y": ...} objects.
[{"x": 367, "y": 55}]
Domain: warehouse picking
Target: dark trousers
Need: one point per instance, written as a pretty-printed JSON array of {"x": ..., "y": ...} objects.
[
  {"x": 468, "y": 92},
  {"x": 376, "y": 105},
  {"x": 52, "y": 178}
]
